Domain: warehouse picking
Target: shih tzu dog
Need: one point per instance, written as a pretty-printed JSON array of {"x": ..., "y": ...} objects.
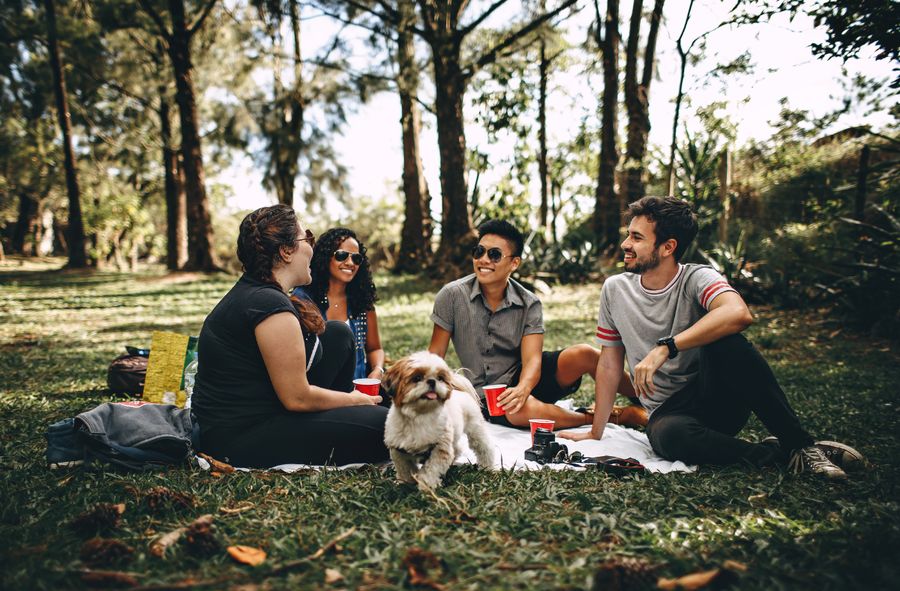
[{"x": 432, "y": 408}]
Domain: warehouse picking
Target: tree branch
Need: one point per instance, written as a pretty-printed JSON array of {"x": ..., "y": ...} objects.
[
  {"x": 491, "y": 55},
  {"x": 474, "y": 24},
  {"x": 157, "y": 19},
  {"x": 202, "y": 17}
]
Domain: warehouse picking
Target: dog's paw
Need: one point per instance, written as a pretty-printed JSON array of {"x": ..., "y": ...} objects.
[{"x": 427, "y": 484}]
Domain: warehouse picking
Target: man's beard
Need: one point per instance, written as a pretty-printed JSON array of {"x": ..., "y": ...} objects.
[{"x": 641, "y": 267}]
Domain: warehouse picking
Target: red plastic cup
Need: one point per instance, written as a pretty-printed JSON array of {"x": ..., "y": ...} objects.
[
  {"x": 540, "y": 424},
  {"x": 490, "y": 395},
  {"x": 369, "y": 386}
]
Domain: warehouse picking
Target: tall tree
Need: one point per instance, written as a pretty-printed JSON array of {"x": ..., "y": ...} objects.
[
  {"x": 176, "y": 205},
  {"x": 177, "y": 40},
  {"x": 75, "y": 232},
  {"x": 444, "y": 31},
  {"x": 415, "y": 236},
  {"x": 637, "y": 96},
  {"x": 606, "y": 199}
]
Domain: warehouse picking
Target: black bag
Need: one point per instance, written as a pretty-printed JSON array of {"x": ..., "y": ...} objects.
[{"x": 126, "y": 374}]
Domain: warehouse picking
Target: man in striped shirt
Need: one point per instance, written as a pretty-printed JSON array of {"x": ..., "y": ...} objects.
[{"x": 679, "y": 327}]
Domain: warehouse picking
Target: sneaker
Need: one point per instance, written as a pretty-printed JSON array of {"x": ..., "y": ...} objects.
[
  {"x": 842, "y": 456},
  {"x": 812, "y": 459}
]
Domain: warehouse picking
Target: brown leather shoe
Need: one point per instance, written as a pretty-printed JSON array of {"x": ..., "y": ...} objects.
[{"x": 629, "y": 416}]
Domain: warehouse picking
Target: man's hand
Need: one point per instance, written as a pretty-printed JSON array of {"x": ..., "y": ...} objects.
[
  {"x": 644, "y": 371},
  {"x": 578, "y": 436},
  {"x": 513, "y": 399}
]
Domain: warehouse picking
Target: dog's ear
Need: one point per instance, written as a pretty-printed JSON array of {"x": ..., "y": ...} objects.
[{"x": 390, "y": 381}]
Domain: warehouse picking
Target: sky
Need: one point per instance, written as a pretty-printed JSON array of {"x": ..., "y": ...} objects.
[{"x": 370, "y": 144}]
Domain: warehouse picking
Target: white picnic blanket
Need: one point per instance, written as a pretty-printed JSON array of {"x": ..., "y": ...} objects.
[{"x": 510, "y": 445}]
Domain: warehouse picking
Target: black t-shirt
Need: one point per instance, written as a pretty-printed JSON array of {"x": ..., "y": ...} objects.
[{"x": 233, "y": 388}]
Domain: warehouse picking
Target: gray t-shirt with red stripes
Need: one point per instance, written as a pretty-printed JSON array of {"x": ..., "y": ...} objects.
[{"x": 635, "y": 317}]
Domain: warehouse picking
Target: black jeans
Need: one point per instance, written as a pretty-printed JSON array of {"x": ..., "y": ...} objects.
[
  {"x": 697, "y": 425},
  {"x": 353, "y": 434}
]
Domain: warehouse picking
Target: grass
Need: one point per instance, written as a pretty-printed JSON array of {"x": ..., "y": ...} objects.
[{"x": 539, "y": 530}]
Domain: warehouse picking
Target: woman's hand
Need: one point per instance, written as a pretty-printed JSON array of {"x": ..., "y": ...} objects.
[
  {"x": 360, "y": 399},
  {"x": 377, "y": 373},
  {"x": 578, "y": 436}
]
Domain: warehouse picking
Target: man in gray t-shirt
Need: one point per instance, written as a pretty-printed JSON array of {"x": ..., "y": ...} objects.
[
  {"x": 678, "y": 325},
  {"x": 497, "y": 329}
]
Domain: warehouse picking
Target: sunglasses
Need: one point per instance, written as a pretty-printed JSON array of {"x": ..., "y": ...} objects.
[
  {"x": 494, "y": 254},
  {"x": 310, "y": 237},
  {"x": 341, "y": 256}
]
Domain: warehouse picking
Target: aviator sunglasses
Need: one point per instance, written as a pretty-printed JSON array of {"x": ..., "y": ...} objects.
[
  {"x": 494, "y": 254},
  {"x": 341, "y": 256}
]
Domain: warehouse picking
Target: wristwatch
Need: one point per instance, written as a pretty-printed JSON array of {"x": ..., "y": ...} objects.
[{"x": 670, "y": 343}]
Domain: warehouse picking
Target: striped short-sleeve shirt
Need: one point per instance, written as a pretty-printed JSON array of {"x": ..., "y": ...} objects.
[
  {"x": 635, "y": 317},
  {"x": 488, "y": 343}
]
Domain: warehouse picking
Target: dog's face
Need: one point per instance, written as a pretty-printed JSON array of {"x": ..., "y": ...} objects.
[{"x": 421, "y": 380}]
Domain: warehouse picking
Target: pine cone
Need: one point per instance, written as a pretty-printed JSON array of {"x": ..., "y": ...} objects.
[
  {"x": 102, "y": 552},
  {"x": 102, "y": 517},
  {"x": 160, "y": 497},
  {"x": 623, "y": 573},
  {"x": 200, "y": 538}
]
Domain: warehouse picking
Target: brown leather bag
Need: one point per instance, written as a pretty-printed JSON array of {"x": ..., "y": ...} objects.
[{"x": 126, "y": 374}]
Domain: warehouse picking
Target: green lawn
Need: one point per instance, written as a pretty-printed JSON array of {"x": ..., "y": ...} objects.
[{"x": 539, "y": 530}]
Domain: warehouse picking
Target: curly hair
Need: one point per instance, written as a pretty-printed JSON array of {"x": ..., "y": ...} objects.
[
  {"x": 262, "y": 234},
  {"x": 361, "y": 293}
]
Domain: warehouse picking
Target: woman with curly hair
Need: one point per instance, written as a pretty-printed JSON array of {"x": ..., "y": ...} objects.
[
  {"x": 342, "y": 288},
  {"x": 274, "y": 384}
]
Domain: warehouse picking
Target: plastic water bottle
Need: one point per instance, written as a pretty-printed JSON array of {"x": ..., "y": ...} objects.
[{"x": 190, "y": 374}]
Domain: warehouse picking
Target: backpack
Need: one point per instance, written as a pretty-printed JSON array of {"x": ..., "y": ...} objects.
[{"x": 126, "y": 374}]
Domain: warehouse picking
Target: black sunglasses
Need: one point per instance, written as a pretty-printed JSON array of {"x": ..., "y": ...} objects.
[
  {"x": 341, "y": 256},
  {"x": 494, "y": 254}
]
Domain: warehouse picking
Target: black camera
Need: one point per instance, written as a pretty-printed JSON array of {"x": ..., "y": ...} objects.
[{"x": 545, "y": 449}]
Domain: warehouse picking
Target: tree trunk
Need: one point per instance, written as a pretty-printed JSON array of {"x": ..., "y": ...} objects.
[
  {"x": 176, "y": 221},
  {"x": 457, "y": 234},
  {"x": 201, "y": 256},
  {"x": 415, "y": 236},
  {"x": 25, "y": 225},
  {"x": 859, "y": 206},
  {"x": 607, "y": 212},
  {"x": 76, "y": 241},
  {"x": 637, "y": 97},
  {"x": 544, "y": 67}
]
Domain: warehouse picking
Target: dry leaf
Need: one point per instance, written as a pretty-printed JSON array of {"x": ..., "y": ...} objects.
[
  {"x": 692, "y": 581},
  {"x": 418, "y": 562},
  {"x": 217, "y": 466},
  {"x": 161, "y": 497},
  {"x": 735, "y": 566},
  {"x": 247, "y": 555},
  {"x": 333, "y": 576}
]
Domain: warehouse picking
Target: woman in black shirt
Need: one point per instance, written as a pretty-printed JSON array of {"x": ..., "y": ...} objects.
[{"x": 274, "y": 384}]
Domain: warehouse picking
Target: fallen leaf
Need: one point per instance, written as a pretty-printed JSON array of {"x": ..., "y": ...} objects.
[
  {"x": 104, "y": 516},
  {"x": 332, "y": 576},
  {"x": 104, "y": 552},
  {"x": 217, "y": 465},
  {"x": 418, "y": 562},
  {"x": 247, "y": 555},
  {"x": 159, "y": 546},
  {"x": 720, "y": 576}
]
